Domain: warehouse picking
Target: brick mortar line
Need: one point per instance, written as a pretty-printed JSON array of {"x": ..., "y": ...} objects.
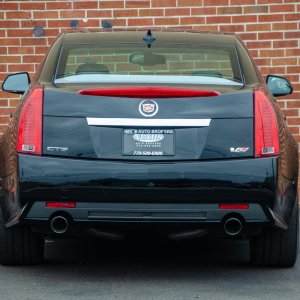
[
  {"x": 192, "y": 24},
  {"x": 177, "y": 5},
  {"x": 171, "y": 16}
]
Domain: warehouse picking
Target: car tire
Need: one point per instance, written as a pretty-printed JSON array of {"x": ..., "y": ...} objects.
[
  {"x": 19, "y": 245},
  {"x": 276, "y": 247}
]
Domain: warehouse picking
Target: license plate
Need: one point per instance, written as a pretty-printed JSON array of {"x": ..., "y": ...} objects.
[{"x": 148, "y": 142}]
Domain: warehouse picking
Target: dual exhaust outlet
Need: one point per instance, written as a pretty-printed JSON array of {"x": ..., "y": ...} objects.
[
  {"x": 59, "y": 224},
  {"x": 232, "y": 225}
]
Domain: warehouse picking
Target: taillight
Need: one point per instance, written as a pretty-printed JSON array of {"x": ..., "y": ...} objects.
[
  {"x": 30, "y": 125},
  {"x": 266, "y": 128}
]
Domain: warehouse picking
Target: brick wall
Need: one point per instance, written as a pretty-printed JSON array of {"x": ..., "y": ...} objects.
[{"x": 270, "y": 28}]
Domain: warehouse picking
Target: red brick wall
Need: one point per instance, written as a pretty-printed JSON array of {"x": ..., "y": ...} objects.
[{"x": 270, "y": 28}]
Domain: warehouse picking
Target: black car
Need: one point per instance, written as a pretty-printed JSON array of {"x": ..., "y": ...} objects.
[{"x": 132, "y": 132}]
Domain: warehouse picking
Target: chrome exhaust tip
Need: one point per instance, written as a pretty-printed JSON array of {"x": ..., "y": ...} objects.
[
  {"x": 233, "y": 226},
  {"x": 59, "y": 225}
]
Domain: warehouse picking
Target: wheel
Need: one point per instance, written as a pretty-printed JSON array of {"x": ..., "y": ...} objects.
[
  {"x": 276, "y": 247},
  {"x": 19, "y": 245}
]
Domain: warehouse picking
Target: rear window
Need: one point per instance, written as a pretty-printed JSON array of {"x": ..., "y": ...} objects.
[{"x": 128, "y": 63}]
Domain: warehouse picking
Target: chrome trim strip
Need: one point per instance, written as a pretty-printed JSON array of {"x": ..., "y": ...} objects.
[{"x": 120, "y": 122}]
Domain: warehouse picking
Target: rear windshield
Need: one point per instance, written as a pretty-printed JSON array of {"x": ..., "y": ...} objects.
[{"x": 160, "y": 64}]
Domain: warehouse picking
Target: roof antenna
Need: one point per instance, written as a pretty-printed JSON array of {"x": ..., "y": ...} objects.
[{"x": 149, "y": 38}]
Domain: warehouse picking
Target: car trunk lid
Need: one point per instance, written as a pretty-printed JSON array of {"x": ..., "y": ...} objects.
[{"x": 130, "y": 128}]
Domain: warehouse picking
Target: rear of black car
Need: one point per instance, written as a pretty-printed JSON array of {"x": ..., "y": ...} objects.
[
  {"x": 94, "y": 166},
  {"x": 181, "y": 137}
]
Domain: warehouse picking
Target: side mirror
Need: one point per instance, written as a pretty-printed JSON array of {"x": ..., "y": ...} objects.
[
  {"x": 16, "y": 83},
  {"x": 279, "y": 86}
]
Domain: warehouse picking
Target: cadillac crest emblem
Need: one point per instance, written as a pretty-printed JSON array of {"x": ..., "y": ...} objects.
[{"x": 148, "y": 108}]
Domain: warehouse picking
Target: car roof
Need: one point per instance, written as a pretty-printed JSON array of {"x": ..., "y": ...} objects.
[{"x": 130, "y": 36}]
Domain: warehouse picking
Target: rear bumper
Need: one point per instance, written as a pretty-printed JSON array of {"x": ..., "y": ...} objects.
[
  {"x": 81, "y": 180},
  {"x": 115, "y": 191},
  {"x": 124, "y": 217},
  {"x": 129, "y": 212}
]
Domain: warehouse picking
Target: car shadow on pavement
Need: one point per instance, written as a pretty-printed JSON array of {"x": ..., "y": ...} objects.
[
  {"x": 172, "y": 256},
  {"x": 89, "y": 269}
]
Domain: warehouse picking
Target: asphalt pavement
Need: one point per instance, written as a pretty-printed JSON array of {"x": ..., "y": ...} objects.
[{"x": 95, "y": 269}]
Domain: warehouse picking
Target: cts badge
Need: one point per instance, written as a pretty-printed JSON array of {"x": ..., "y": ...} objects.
[
  {"x": 148, "y": 108},
  {"x": 58, "y": 149}
]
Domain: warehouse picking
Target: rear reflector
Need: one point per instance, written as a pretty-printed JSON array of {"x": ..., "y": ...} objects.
[
  {"x": 151, "y": 91},
  {"x": 30, "y": 125},
  {"x": 61, "y": 204},
  {"x": 234, "y": 206},
  {"x": 266, "y": 129}
]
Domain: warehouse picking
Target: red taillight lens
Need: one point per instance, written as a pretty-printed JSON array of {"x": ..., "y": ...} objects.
[
  {"x": 149, "y": 91},
  {"x": 266, "y": 129},
  {"x": 30, "y": 125},
  {"x": 234, "y": 206},
  {"x": 61, "y": 204}
]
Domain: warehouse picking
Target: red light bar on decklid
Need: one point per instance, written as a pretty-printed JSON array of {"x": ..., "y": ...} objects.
[{"x": 149, "y": 92}]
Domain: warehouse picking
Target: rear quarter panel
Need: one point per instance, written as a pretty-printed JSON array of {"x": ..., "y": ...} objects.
[{"x": 9, "y": 197}]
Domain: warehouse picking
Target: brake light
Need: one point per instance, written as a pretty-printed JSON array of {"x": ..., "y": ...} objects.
[
  {"x": 60, "y": 204},
  {"x": 266, "y": 128},
  {"x": 149, "y": 91},
  {"x": 30, "y": 125}
]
